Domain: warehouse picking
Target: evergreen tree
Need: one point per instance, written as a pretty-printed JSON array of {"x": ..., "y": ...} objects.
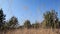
[
  {"x": 27, "y": 24},
  {"x": 13, "y": 22},
  {"x": 51, "y": 19},
  {"x": 2, "y": 18}
]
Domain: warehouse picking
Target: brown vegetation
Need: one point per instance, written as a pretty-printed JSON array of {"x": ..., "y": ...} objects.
[{"x": 33, "y": 31}]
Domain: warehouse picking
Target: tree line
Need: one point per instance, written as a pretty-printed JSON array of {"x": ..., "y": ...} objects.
[{"x": 51, "y": 20}]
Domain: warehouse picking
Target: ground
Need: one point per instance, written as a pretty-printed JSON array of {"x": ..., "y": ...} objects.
[{"x": 32, "y": 31}]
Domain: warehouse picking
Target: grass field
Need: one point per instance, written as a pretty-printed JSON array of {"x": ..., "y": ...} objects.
[{"x": 33, "y": 31}]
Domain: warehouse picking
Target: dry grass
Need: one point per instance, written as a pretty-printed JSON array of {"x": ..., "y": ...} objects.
[{"x": 33, "y": 31}]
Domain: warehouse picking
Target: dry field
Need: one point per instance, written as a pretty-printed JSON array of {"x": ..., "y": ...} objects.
[{"x": 33, "y": 31}]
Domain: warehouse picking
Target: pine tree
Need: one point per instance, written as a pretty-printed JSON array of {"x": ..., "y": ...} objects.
[
  {"x": 2, "y": 18},
  {"x": 27, "y": 24}
]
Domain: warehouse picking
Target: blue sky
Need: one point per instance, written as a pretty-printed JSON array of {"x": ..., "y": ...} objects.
[{"x": 28, "y": 9}]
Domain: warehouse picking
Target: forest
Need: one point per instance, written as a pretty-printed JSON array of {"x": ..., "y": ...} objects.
[{"x": 51, "y": 20}]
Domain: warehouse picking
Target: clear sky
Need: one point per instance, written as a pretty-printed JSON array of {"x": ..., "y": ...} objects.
[{"x": 28, "y": 9}]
